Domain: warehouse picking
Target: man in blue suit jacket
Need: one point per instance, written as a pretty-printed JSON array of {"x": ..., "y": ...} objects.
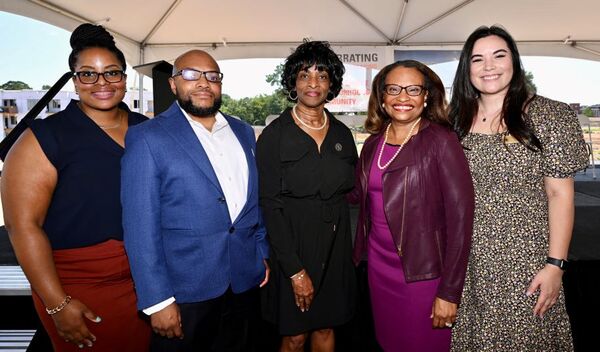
[{"x": 193, "y": 228}]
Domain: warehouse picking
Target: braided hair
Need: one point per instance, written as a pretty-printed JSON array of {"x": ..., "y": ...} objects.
[{"x": 88, "y": 36}]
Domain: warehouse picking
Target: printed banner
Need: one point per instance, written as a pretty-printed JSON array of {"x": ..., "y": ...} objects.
[{"x": 362, "y": 64}]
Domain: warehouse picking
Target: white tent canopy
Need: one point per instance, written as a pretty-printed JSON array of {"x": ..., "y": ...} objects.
[{"x": 152, "y": 30}]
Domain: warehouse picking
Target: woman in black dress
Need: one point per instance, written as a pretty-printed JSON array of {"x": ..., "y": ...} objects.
[{"x": 306, "y": 164}]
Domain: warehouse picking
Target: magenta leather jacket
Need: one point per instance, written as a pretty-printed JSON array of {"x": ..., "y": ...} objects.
[{"x": 429, "y": 203}]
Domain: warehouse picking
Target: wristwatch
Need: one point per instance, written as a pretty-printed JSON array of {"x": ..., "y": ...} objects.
[{"x": 562, "y": 264}]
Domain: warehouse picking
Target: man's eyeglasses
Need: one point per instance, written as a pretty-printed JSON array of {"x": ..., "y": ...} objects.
[
  {"x": 189, "y": 74},
  {"x": 91, "y": 77},
  {"x": 412, "y": 90}
]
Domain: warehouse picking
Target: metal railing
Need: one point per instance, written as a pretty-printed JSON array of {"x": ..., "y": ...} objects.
[
  {"x": 13, "y": 282},
  {"x": 15, "y": 340}
]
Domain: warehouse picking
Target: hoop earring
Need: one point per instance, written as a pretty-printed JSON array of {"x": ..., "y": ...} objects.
[
  {"x": 294, "y": 98},
  {"x": 327, "y": 98}
]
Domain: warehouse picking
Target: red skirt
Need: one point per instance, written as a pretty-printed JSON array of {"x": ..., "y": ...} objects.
[{"x": 100, "y": 278}]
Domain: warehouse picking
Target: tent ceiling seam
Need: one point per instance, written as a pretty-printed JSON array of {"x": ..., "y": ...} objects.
[
  {"x": 160, "y": 22},
  {"x": 359, "y": 14},
  {"x": 433, "y": 21},
  {"x": 229, "y": 44}
]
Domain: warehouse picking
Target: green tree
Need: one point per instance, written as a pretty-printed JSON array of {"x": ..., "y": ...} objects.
[
  {"x": 15, "y": 85},
  {"x": 274, "y": 79},
  {"x": 46, "y": 87},
  {"x": 529, "y": 82},
  {"x": 588, "y": 112},
  {"x": 256, "y": 109}
]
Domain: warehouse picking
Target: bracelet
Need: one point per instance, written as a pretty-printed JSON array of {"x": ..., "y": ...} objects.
[
  {"x": 59, "y": 307},
  {"x": 297, "y": 276}
]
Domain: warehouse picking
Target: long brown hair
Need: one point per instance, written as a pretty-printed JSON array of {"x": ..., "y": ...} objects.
[
  {"x": 464, "y": 103},
  {"x": 435, "y": 110}
]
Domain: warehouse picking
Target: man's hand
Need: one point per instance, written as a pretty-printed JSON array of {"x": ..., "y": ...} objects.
[
  {"x": 267, "y": 273},
  {"x": 167, "y": 322}
]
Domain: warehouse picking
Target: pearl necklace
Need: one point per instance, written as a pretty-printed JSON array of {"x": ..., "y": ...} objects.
[
  {"x": 382, "y": 167},
  {"x": 295, "y": 114}
]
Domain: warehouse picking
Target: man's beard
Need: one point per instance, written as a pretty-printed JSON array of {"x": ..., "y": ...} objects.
[{"x": 189, "y": 107}]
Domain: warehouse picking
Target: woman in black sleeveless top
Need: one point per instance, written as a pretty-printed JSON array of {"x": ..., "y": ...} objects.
[{"x": 60, "y": 192}]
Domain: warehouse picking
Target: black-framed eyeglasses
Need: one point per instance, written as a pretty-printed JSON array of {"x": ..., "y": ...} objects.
[
  {"x": 91, "y": 77},
  {"x": 189, "y": 74},
  {"x": 412, "y": 90}
]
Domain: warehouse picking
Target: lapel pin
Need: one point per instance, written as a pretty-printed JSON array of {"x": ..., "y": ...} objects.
[{"x": 338, "y": 147}]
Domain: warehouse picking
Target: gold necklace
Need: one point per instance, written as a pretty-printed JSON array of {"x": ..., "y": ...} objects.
[
  {"x": 295, "y": 114},
  {"x": 484, "y": 119},
  {"x": 382, "y": 167},
  {"x": 117, "y": 125}
]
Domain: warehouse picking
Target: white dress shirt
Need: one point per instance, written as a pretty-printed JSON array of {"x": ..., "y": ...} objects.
[{"x": 228, "y": 160}]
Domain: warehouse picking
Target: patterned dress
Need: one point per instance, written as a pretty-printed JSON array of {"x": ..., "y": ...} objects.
[{"x": 510, "y": 234}]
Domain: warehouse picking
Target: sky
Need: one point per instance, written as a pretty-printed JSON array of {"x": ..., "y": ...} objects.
[{"x": 36, "y": 53}]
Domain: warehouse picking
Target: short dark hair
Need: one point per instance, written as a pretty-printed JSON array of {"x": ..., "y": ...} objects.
[
  {"x": 464, "y": 104},
  {"x": 435, "y": 110},
  {"x": 88, "y": 36},
  {"x": 307, "y": 55}
]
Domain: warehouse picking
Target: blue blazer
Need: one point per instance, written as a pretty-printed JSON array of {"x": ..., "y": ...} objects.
[{"x": 178, "y": 234}]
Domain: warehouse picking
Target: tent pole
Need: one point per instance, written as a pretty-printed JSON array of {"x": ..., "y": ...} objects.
[
  {"x": 141, "y": 83},
  {"x": 402, "y": 12}
]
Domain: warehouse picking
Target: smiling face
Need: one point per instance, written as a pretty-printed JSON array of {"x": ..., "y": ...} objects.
[
  {"x": 491, "y": 66},
  {"x": 404, "y": 108},
  {"x": 312, "y": 87},
  {"x": 101, "y": 95},
  {"x": 199, "y": 98}
]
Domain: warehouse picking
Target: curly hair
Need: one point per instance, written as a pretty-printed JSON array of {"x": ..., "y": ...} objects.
[
  {"x": 307, "y": 55},
  {"x": 435, "y": 110},
  {"x": 464, "y": 104},
  {"x": 88, "y": 36}
]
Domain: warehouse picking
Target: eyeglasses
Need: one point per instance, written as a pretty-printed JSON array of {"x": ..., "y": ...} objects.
[
  {"x": 189, "y": 74},
  {"x": 91, "y": 77},
  {"x": 412, "y": 90}
]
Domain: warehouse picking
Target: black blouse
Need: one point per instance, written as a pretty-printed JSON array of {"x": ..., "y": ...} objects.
[
  {"x": 291, "y": 166},
  {"x": 85, "y": 208}
]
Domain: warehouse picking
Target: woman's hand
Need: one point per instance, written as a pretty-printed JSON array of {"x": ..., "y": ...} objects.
[
  {"x": 548, "y": 281},
  {"x": 443, "y": 313},
  {"x": 303, "y": 290},
  {"x": 70, "y": 323}
]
